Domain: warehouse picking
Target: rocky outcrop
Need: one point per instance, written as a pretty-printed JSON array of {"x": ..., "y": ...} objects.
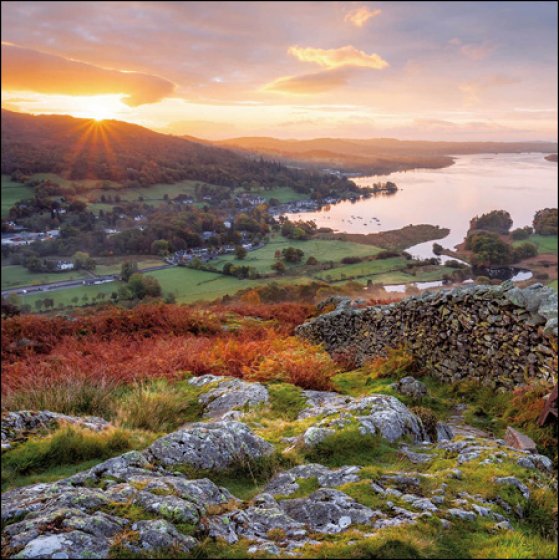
[{"x": 496, "y": 335}]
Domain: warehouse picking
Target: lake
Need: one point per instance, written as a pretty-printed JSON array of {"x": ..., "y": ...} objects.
[{"x": 521, "y": 184}]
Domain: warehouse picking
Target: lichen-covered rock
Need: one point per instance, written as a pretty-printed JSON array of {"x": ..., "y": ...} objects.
[
  {"x": 411, "y": 387},
  {"x": 73, "y": 544},
  {"x": 209, "y": 446},
  {"x": 328, "y": 511},
  {"x": 155, "y": 535},
  {"x": 285, "y": 483},
  {"x": 232, "y": 394}
]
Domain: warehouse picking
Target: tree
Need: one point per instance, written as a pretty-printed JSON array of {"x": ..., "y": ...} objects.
[
  {"x": 127, "y": 270},
  {"x": 545, "y": 221},
  {"x": 488, "y": 249},
  {"x": 75, "y": 300},
  {"x": 38, "y": 304},
  {"x": 240, "y": 252},
  {"x": 83, "y": 261},
  {"x": 143, "y": 286},
  {"x": 524, "y": 251},
  {"x": 48, "y": 302},
  {"x": 498, "y": 221},
  {"x": 311, "y": 261},
  {"x": 292, "y": 255},
  {"x": 160, "y": 247},
  {"x": 279, "y": 267},
  {"x": 437, "y": 249},
  {"x": 521, "y": 233}
]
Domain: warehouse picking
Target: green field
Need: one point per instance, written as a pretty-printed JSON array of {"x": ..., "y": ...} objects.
[
  {"x": 323, "y": 250},
  {"x": 65, "y": 297},
  {"x": 544, "y": 243},
  {"x": 115, "y": 267},
  {"x": 14, "y": 276},
  {"x": 553, "y": 284},
  {"x": 283, "y": 194},
  {"x": 12, "y": 192},
  {"x": 367, "y": 268}
]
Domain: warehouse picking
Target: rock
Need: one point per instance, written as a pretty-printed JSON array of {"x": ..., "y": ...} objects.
[
  {"x": 513, "y": 481},
  {"x": 73, "y": 544},
  {"x": 416, "y": 458},
  {"x": 503, "y": 526},
  {"x": 209, "y": 446},
  {"x": 232, "y": 395},
  {"x": 411, "y": 387},
  {"x": 313, "y": 436},
  {"x": 156, "y": 535},
  {"x": 284, "y": 483},
  {"x": 444, "y": 432},
  {"x": 461, "y": 514},
  {"x": 518, "y": 440},
  {"x": 327, "y": 511}
]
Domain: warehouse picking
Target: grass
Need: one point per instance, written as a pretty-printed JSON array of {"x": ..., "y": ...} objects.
[
  {"x": 283, "y": 194},
  {"x": 544, "y": 243},
  {"x": 159, "y": 406},
  {"x": 553, "y": 285},
  {"x": 286, "y": 400},
  {"x": 367, "y": 268},
  {"x": 12, "y": 192},
  {"x": 113, "y": 265},
  {"x": 68, "y": 445},
  {"x": 14, "y": 276},
  {"x": 65, "y": 296},
  {"x": 323, "y": 250}
]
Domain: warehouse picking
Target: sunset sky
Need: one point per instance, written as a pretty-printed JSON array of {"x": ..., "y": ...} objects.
[{"x": 418, "y": 70}]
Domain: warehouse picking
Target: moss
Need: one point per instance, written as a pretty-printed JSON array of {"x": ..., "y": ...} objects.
[{"x": 127, "y": 510}]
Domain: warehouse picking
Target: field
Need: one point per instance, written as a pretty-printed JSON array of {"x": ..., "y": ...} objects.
[
  {"x": 323, "y": 250},
  {"x": 190, "y": 285},
  {"x": 544, "y": 243},
  {"x": 283, "y": 194},
  {"x": 12, "y": 192},
  {"x": 65, "y": 297},
  {"x": 367, "y": 268},
  {"x": 15, "y": 275},
  {"x": 113, "y": 265}
]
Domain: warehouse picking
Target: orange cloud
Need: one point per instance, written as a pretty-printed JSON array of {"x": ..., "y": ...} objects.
[
  {"x": 360, "y": 16},
  {"x": 308, "y": 84},
  {"x": 30, "y": 70},
  {"x": 337, "y": 58}
]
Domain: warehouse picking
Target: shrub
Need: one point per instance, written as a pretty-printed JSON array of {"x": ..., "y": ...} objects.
[
  {"x": 496, "y": 220},
  {"x": 521, "y": 233},
  {"x": 524, "y": 251},
  {"x": 545, "y": 221},
  {"x": 351, "y": 260}
]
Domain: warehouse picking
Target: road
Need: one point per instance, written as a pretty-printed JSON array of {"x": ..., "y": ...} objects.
[{"x": 63, "y": 284}]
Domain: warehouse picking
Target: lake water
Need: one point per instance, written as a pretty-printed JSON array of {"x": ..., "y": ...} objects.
[{"x": 518, "y": 183}]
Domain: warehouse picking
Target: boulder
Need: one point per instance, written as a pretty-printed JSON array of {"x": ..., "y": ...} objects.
[
  {"x": 518, "y": 440},
  {"x": 411, "y": 387},
  {"x": 209, "y": 446}
]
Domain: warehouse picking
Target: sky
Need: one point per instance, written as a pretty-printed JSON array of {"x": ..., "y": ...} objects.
[{"x": 408, "y": 70}]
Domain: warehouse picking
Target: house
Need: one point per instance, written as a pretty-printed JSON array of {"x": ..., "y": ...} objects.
[
  {"x": 208, "y": 235},
  {"x": 227, "y": 224},
  {"x": 64, "y": 265}
]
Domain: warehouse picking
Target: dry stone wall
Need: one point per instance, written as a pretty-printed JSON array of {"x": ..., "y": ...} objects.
[{"x": 501, "y": 336}]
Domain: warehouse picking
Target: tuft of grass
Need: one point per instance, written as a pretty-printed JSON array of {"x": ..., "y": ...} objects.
[
  {"x": 158, "y": 406},
  {"x": 397, "y": 364},
  {"x": 68, "y": 445},
  {"x": 286, "y": 400},
  {"x": 77, "y": 395},
  {"x": 428, "y": 419},
  {"x": 306, "y": 487},
  {"x": 350, "y": 447}
]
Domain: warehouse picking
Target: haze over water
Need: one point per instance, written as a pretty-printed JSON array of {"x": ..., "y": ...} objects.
[{"x": 518, "y": 183}]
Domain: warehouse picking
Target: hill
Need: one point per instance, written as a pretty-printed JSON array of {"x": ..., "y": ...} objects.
[
  {"x": 134, "y": 156},
  {"x": 377, "y": 155}
]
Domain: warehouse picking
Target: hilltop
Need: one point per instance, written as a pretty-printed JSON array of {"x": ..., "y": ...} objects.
[
  {"x": 133, "y": 155},
  {"x": 375, "y": 155}
]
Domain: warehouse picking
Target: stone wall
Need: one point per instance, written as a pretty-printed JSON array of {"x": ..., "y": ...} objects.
[{"x": 497, "y": 335}]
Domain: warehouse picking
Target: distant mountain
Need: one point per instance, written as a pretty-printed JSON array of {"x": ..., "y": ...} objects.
[
  {"x": 136, "y": 156},
  {"x": 377, "y": 155}
]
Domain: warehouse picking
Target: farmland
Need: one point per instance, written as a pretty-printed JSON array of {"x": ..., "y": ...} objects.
[
  {"x": 12, "y": 192},
  {"x": 16, "y": 275}
]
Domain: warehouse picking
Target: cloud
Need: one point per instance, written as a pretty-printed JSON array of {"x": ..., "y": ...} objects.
[
  {"x": 360, "y": 16},
  {"x": 474, "y": 51},
  {"x": 337, "y": 58},
  {"x": 308, "y": 84},
  {"x": 30, "y": 70},
  {"x": 473, "y": 90}
]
